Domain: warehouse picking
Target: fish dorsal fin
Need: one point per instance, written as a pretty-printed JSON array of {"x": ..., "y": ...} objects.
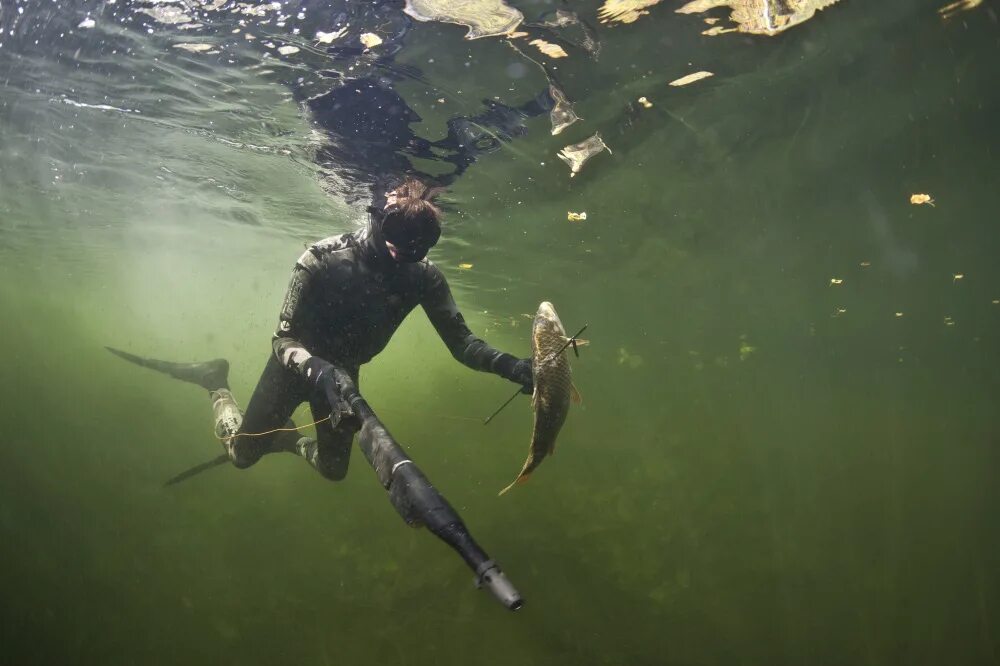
[{"x": 574, "y": 394}]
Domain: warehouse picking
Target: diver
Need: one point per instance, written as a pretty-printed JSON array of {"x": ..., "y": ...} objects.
[{"x": 347, "y": 296}]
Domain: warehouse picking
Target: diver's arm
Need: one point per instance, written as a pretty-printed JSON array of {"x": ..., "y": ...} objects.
[
  {"x": 462, "y": 343},
  {"x": 289, "y": 351}
]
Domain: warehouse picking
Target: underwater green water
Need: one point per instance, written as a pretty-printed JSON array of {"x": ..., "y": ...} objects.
[{"x": 768, "y": 468}]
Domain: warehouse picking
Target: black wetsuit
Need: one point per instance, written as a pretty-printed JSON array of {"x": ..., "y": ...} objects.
[{"x": 345, "y": 300}]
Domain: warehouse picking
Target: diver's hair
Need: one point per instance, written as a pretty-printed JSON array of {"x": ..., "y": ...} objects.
[{"x": 415, "y": 200}]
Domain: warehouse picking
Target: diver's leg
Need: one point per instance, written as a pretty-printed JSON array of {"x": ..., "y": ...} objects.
[
  {"x": 330, "y": 453},
  {"x": 278, "y": 392}
]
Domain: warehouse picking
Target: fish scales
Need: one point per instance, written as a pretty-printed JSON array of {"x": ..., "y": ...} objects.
[{"x": 553, "y": 387}]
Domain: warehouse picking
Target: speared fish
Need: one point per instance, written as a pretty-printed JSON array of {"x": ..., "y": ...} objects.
[{"x": 553, "y": 387}]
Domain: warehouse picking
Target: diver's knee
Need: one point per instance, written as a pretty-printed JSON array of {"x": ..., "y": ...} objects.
[
  {"x": 333, "y": 462},
  {"x": 243, "y": 454},
  {"x": 335, "y": 472}
]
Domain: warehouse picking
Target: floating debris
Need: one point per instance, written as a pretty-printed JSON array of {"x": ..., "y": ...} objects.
[
  {"x": 465, "y": 267},
  {"x": 569, "y": 28},
  {"x": 646, "y": 104},
  {"x": 370, "y": 40},
  {"x": 194, "y": 48},
  {"x": 953, "y": 8},
  {"x": 258, "y": 11},
  {"x": 948, "y": 321},
  {"x": 759, "y": 17},
  {"x": 483, "y": 18},
  {"x": 957, "y": 276},
  {"x": 920, "y": 199},
  {"x": 576, "y": 217},
  {"x": 838, "y": 312},
  {"x": 624, "y": 11},
  {"x": 577, "y": 154},
  {"x": 288, "y": 49},
  {"x": 865, "y": 264},
  {"x": 562, "y": 114},
  {"x": 517, "y": 35},
  {"x": 899, "y": 314},
  {"x": 690, "y": 78},
  {"x": 746, "y": 349},
  {"x": 87, "y": 23},
  {"x": 836, "y": 281},
  {"x": 327, "y": 37},
  {"x": 549, "y": 49},
  {"x": 169, "y": 14}
]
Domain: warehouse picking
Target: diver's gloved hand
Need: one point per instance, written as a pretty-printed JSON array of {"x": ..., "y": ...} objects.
[
  {"x": 517, "y": 370},
  {"x": 322, "y": 375}
]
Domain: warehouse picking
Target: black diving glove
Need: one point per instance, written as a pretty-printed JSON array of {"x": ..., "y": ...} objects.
[
  {"x": 517, "y": 370},
  {"x": 322, "y": 375}
]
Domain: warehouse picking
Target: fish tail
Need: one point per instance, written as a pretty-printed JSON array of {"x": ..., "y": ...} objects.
[{"x": 522, "y": 478}]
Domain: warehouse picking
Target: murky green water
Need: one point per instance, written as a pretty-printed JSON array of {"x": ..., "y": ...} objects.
[{"x": 768, "y": 468}]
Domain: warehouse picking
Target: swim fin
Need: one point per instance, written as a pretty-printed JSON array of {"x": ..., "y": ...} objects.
[
  {"x": 210, "y": 375},
  {"x": 197, "y": 469}
]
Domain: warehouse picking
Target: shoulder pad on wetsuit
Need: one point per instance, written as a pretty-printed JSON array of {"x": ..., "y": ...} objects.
[
  {"x": 331, "y": 244},
  {"x": 311, "y": 258}
]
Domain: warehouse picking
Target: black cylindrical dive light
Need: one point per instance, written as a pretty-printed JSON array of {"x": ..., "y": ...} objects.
[{"x": 417, "y": 501}]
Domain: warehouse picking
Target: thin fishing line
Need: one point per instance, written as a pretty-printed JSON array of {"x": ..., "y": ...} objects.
[{"x": 269, "y": 432}]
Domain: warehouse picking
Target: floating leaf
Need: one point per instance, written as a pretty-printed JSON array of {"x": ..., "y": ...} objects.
[
  {"x": 562, "y": 114},
  {"x": 370, "y": 40},
  {"x": 327, "y": 37},
  {"x": 836, "y": 281},
  {"x": 577, "y": 154},
  {"x": 919, "y": 199},
  {"x": 691, "y": 78},
  {"x": 465, "y": 267},
  {"x": 194, "y": 48},
  {"x": 576, "y": 217},
  {"x": 624, "y": 11},
  {"x": 549, "y": 49},
  {"x": 484, "y": 18},
  {"x": 759, "y": 17},
  {"x": 717, "y": 30}
]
